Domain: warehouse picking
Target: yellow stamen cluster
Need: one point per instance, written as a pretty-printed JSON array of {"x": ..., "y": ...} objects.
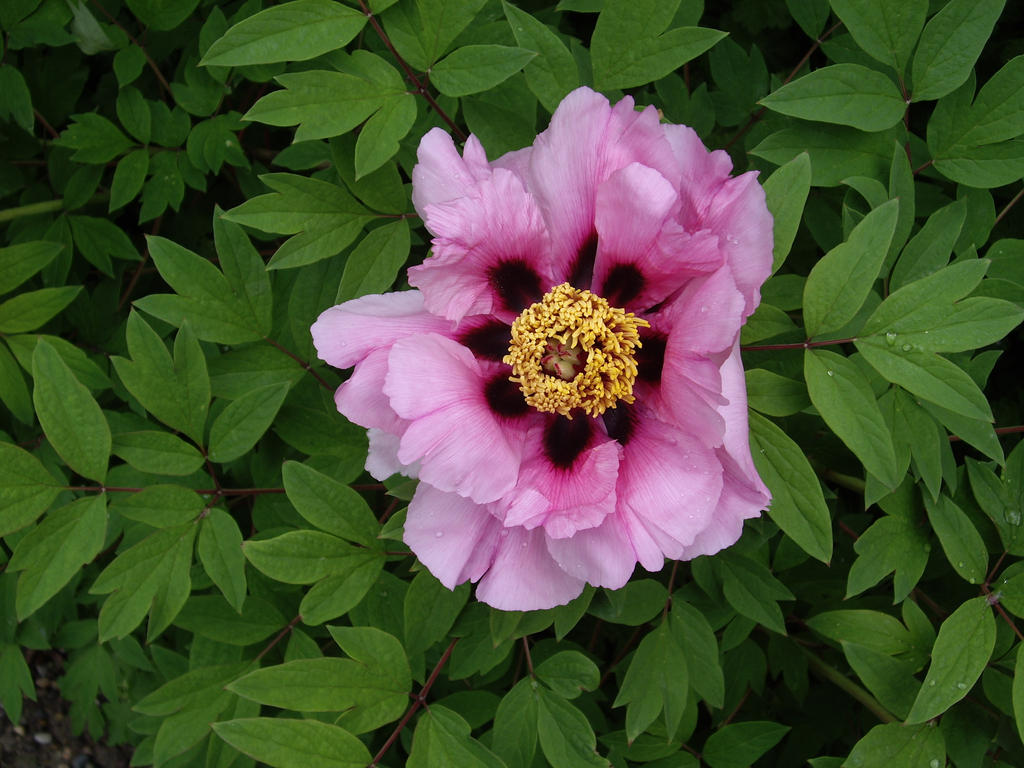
[{"x": 570, "y": 326}]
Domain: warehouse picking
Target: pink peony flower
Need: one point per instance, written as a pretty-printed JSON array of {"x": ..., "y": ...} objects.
[{"x": 566, "y": 381}]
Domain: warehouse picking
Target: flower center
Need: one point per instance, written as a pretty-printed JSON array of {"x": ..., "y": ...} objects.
[{"x": 572, "y": 350}]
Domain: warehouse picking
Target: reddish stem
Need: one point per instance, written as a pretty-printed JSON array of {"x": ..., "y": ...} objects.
[
  {"x": 797, "y": 345},
  {"x": 302, "y": 363},
  {"x": 149, "y": 59},
  {"x": 1009, "y": 205},
  {"x": 279, "y": 637}
]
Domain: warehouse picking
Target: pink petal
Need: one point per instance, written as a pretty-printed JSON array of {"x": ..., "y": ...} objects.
[
  {"x": 382, "y": 458},
  {"x": 736, "y": 442},
  {"x": 441, "y": 175},
  {"x": 455, "y": 538},
  {"x": 563, "y": 500},
  {"x": 438, "y": 385},
  {"x": 524, "y": 576},
  {"x": 702, "y": 173},
  {"x": 635, "y": 228},
  {"x": 345, "y": 334},
  {"x": 670, "y": 484},
  {"x": 602, "y": 556},
  {"x": 496, "y": 223},
  {"x": 361, "y": 399},
  {"x": 586, "y": 142}
]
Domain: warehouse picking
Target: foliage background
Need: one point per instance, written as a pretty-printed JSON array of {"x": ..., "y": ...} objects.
[{"x": 185, "y": 185}]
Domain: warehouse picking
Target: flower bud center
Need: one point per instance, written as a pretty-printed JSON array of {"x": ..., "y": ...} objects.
[{"x": 573, "y": 351}]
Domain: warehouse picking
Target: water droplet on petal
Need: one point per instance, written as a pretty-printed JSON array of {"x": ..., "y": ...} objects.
[{"x": 438, "y": 534}]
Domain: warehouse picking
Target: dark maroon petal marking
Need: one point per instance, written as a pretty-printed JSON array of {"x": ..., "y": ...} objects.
[
  {"x": 620, "y": 422},
  {"x": 623, "y": 284},
  {"x": 489, "y": 341},
  {"x": 516, "y": 283},
  {"x": 565, "y": 439},
  {"x": 650, "y": 358},
  {"x": 505, "y": 398},
  {"x": 582, "y": 273}
]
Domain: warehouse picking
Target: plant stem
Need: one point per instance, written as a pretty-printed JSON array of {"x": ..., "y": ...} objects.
[
  {"x": 797, "y": 345},
  {"x": 32, "y": 209},
  {"x": 834, "y": 676}
]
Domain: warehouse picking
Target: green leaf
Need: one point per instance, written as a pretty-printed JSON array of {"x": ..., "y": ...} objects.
[
  {"x": 837, "y": 152},
  {"x": 329, "y": 505},
  {"x": 1018, "y": 691},
  {"x": 19, "y": 262},
  {"x": 569, "y": 673},
  {"x": 959, "y": 656},
  {"x": 989, "y": 165},
  {"x": 188, "y": 690},
  {"x": 327, "y": 217},
  {"x": 930, "y": 248},
  {"x": 566, "y": 737},
  {"x": 950, "y": 44},
  {"x": 134, "y": 114},
  {"x": 475, "y": 68},
  {"x": 245, "y": 273},
  {"x": 798, "y": 504},
  {"x": 52, "y": 553},
  {"x": 15, "y": 98},
  {"x": 301, "y": 557},
  {"x": 69, "y": 415},
  {"x": 129, "y": 176},
  {"x": 424, "y": 31},
  {"x": 220, "y": 552},
  {"x": 785, "y": 194},
  {"x": 128, "y": 64},
  {"x": 753, "y": 591},
  {"x": 515, "y": 725},
  {"x": 342, "y": 590},
  {"x": 631, "y": 46},
  {"x": 287, "y": 743},
  {"x": 657, "y": 680},
  {"x": 373, "y": 265},
  {"x": 210, "y": 616},
  {"x": 847, "y": 94},
  {"x": 553, "y": 73},
  {"x": 429, "y": 610},
  {"x": 739, "y": 744},
  {"x": 160, "y": 506},
  {"x": 153, "y": 574},
  {"x": 895, "y": 745},
  {"x": 26, "y": 488},
  {"x": 94, "y": 139},
  {"x": 695, "y": 636},
  {"x": 15, "y": 679},
  {"x": 775, "y": 395},
  {"x": 240, "y": 426},
  {"x": 176, "y": 391},
  {"x": 162, "y": 14},
  {"x": 890, "y": 680},
  {"x": 295, "y": 31},
  {"x": 926, "y": 375},
  {"x": 872, "y": 629},
  {"x": 158, "y": 453},
  {"x": 841, "y": 280},
  {"x": 960, "y": 540},
  {"x": 442, "y": 738},
  {"x": 891, "y": 544},
  {"x": 28, "y": 311},
  {"x": 13, "y": 390},
  {"x": 885, "y": 31},
  {"x": 845, "y": 400}
]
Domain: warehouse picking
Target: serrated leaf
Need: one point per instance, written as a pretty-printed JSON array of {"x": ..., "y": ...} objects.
[
  {"x": 845, "y": 400},
  {"x": 840, "y": 281},
  {"x": 288, "y": 743},
  {"x": 295, "y": 31},
  {"x": 329, "y": 505},
  {"x": 54, "y": 551},
  {"x": 69, "y": 415},
  {"x": 632, "y": 44},
  {"x": 847, "y": 94},
  {"x": 798, "y": 504},
  {"x": 961, "y": 651},
  {"x": 738, "y": 745},
  {"x": 475, "y": 68},
  {"x": 240, "y": 426},
  {"x": 220, "y": 552}
]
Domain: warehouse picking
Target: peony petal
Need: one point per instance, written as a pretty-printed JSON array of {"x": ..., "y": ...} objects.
[
  {"x": 455, "y": 538},
  {"x": 462, "y": 445},
  {"x": 524, "y": 576},
  {"x": 702, "y": 173},
  {"x": 602, "y": 556},
  {"x": 361, "y": 399},
  {"x": 441, "y": 175},
  {"x": 587, "y": 141},
  {"x": 564, "y": 500},
  {"x": 345, "y": 334},
  {"x": 490, "y": 253},
  {"x": 643, "y": 254},
  {"x": 382, "y": 458},
  {"x": 736, "y": 442},
  {"x": 670, "y": 484}
]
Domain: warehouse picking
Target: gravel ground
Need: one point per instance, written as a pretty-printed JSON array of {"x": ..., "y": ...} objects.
[{"x": 43, "y": 738}]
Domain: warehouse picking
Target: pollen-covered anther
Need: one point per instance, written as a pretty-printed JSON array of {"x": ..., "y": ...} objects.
[{"x": 572, "y": 351}]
